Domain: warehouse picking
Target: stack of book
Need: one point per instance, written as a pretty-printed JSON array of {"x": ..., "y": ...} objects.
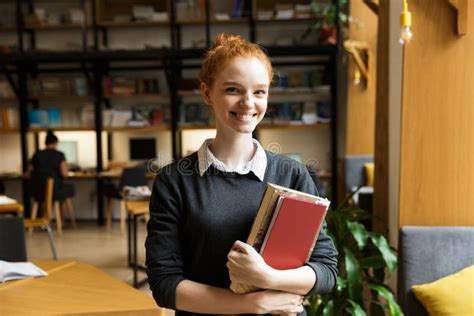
[
  {"x": 285, "y": 229},
  {"x": 195, "y": 114},
  {"x": 122, "y": 86},
  {"x": 58, "y": 86},
  {"x": 6, "y": 91}
]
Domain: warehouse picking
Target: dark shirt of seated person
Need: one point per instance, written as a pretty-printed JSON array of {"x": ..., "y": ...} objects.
[{"x": 52, "y": 160}]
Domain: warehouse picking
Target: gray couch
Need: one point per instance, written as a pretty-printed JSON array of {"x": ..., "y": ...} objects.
[
  {"x": 427, "y": 254},
  {"x": 354, "y": 171}
]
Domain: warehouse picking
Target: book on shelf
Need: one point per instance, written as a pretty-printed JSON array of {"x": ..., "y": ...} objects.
[
  {"x": 58, "y": 87},
  {"x": 9, "y": 118},
  {"x": 285, "y": 229},
  {"x": 121, "y": 86},
  {"x": 6, "y": 91}
]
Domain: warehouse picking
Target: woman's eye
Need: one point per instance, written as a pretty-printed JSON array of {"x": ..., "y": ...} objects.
[
  {"x": 232, "y": 89},
  {"x": 261, "y": 92}
]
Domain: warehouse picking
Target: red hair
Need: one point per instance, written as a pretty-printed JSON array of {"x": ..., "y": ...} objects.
[{"x": 225, "y": 48}]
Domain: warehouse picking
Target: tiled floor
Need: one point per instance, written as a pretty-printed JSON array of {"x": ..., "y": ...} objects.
[{"x": 105, "y": 249}]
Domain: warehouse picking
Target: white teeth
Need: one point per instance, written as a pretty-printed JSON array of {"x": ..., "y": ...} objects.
[{"x": 244, "y": 116}]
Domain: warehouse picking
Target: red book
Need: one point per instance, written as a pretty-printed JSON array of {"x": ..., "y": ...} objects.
[{"x": 292, "y": 233}]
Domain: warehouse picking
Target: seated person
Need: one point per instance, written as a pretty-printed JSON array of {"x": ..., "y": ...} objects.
[{"x": 54, "y": 161}]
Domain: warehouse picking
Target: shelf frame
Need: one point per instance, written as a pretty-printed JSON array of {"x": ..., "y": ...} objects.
[{"x": 95, "y": 63}]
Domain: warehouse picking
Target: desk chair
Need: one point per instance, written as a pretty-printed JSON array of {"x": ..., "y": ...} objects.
[
  {"x": 134, "y": 177},
  {"x": 44, "y": 198},
  {"x": 12, "y": 239},
  {"x": 43, "y": 222}
]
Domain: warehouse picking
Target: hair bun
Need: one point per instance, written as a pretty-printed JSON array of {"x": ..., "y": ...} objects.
[{"x": 224, "y": 48}]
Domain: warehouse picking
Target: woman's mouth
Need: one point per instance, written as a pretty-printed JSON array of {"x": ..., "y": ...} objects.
[{"x": 244, "y": 116}]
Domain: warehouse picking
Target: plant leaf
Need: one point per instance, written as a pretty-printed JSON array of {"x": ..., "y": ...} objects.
[
  {"x": 328, "y": 308},
  {"x": 359, "y": 232},
  {"x": 355, "y": 309},
  {"x": 394, "y": 308},
  {"x": 347, "y": 199},
  {"x": 341, "y": 284},
  {"x": 353, "y": 276},
  {"x": 315, "y": 302},
  {"x": 382, "y": 245},
  {"x": 374, "y": 262}
]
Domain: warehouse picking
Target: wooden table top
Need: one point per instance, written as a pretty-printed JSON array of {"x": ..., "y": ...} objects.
[
  {"x": 74, "y": 288},
  {"x": 10, "y": 208}
]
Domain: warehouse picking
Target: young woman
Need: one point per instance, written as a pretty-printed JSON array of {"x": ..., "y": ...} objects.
[
  {"x": 52, "y": 160},
  {"x": 203, "y": 205}
]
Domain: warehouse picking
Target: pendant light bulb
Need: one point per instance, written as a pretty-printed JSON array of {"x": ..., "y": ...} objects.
[{"x": 405, "y": 23}]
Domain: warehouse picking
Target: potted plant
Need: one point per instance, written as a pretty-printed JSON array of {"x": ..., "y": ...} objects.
[
  {"x": 365, "y": 261},
  {"x": 324, "y": 24}
]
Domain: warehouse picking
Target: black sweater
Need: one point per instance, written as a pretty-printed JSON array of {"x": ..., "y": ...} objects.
[{"x": 194, "y": 221}]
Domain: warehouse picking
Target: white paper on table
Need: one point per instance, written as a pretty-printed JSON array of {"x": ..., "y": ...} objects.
[
  {"x": 19, "y": 270},
  {"x": 6, "y": 200}
]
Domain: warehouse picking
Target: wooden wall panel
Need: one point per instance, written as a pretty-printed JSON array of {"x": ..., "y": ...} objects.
[
  {"x": 361, "y": 102},
  {"x": 437, "y": 146}
]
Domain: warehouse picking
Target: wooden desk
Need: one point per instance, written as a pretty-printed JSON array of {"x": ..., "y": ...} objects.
[
  {"x": 13, "y": 208},
  {"x": 135, "y": 209},
  {"x": 100, "y": 177},
  {"x": 74, "y": 288}
]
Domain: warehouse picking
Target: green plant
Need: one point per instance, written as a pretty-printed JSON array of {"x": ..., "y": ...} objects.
[
  {"x": 324, "y": 22},
  {"x": 365, "y": 260}
]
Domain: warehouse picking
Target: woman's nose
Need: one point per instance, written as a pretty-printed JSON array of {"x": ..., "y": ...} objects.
[{"x": 247, "y": 100}]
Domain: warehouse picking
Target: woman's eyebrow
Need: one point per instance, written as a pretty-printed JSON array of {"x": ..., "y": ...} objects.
[
  {"x": 234, "y": 83},
  {"x": 231, "y": 83}
]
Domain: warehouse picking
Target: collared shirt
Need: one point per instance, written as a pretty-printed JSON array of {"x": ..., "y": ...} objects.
[{"x": 257, "y": 164}]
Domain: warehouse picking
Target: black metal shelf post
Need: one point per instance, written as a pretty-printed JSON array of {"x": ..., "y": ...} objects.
[
  {"x": 23, "y": 104},
  {"x": 99, "y": 68}
]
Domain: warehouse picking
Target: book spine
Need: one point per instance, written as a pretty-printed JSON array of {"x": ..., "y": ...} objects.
[
  {"x": 272, "y": 221},
  {"x": 259, "y": 217},
  {"x": 267, "y": 217}
]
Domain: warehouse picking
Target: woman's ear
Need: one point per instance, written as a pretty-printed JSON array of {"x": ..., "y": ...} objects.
[{"x": 205, "y": 93}]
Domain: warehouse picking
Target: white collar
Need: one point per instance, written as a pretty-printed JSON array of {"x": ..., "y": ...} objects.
[{"x": 257, "y": 165}]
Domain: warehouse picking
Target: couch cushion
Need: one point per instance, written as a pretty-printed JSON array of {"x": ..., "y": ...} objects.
[
  {"x": 427, "y": 254},
  {"x": 369, "y": 173},
  {"x": 449, "y": 296},
  {"x": 354, "y": 171}
]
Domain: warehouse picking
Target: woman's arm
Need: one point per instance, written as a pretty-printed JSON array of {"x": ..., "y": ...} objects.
[
  {"x": 319, "y": 274},
  {"x": 63, "y": 169},
  {"x": 201, "y": 298},
  {"x": 247, "y": 266},
  {"x": 165, "y": 266}
]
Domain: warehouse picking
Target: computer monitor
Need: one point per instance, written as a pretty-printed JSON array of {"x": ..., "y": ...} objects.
[
  {"x": 69, "y": 148},
  {"x": 142, "y": 148}
]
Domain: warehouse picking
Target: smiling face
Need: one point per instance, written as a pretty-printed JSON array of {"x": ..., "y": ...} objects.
[{"x": 238, "y": 95}]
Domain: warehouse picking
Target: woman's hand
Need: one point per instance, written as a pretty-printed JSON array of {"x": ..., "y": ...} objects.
[
  {"x": 276, "y": 302},
  {"x": 247, "y": 266}
]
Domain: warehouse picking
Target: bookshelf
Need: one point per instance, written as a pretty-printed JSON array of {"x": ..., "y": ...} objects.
[
  {"x": 61, "y": 27},
  {"x": 98, "y": 59},
  {"x": 60, "y": 129}
]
